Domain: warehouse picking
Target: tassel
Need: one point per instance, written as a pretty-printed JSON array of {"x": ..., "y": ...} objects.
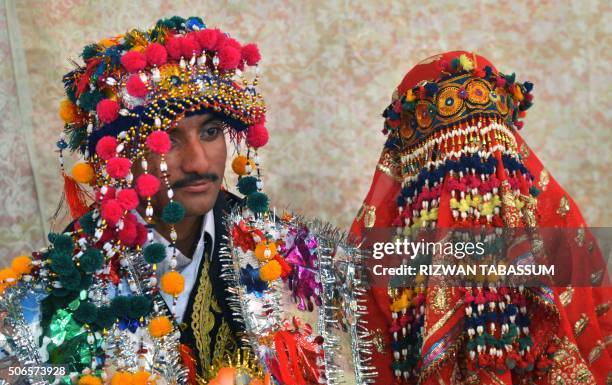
[{"x": 75, "y": 197}]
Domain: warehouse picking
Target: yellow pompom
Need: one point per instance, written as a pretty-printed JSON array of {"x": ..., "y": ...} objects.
[
  {"x": 410, "y": 96},
  {"x": 239, "y": 164},
  {"x": 68, "y": 111},
  {"x": 270, "y": 271},
  {"x": 518, "y": 94},
  {"x": 22, "y": 265},
  {"x": 400, "y": 303},
  {"x": 173, "y": 283},
  {"x": 142, "y": 378},
  {"x": 88, "y": 379},
  {"x": 8, "y": 276},
  {"x": 160, "y": 326},
  {"x": 466, "y": 63},
  {"x": 122, "y": 378},
  {"x": 83, "y": 173},
  {"x": 264, "y": 251}
]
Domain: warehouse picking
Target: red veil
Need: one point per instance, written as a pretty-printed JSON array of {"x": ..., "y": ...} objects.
[{"x": 448, "y": 110}]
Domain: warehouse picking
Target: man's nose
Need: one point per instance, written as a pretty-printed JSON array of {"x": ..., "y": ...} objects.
[{"x": 194, "y": 157}]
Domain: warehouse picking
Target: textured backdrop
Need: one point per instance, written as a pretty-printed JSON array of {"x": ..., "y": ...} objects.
[{"x": 329, "y": 69}]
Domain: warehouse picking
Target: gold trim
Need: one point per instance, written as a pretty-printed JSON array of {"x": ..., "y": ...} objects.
[
  {"x": 369, "y": 216},
  {"x": 564, "y": 206},
  {"x": 203, "y": 320},
  {"x": 443, "y": 320},
  {"x": 581, "y": 324},
  {"x": 566, "y": 297},
  {"x": 544, "y": 179}
]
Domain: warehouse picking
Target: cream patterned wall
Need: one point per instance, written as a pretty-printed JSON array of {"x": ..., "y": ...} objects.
[{"x": 328, "y": 71}]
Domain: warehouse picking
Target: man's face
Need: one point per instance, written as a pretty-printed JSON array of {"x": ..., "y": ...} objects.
[{"x": 196, "y": 164}]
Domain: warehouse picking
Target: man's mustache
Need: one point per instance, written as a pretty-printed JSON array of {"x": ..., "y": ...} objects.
[{"x": 194, "y": 179}]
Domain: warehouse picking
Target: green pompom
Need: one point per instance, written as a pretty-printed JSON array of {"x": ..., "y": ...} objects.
[
  {"x": 121, "y": 305},
  {"x": 174, "y": 212},
  {"x": 86, "y": 281},
  {"x": 71, "y": 94},
  {"x": 154, "y": 253},
  {"x": 86, "y": 313},
  {"x": 89, "y": 100},
  {"x": 106, "y": 317},
  {"x": 63, "y": 244},
  {"x": 176, "y": 22},
  {"x": 91, "y": 260},
  {"x": 51, "y": 237},
  {"x": 140, "y": 306},
  {"x": 90, "y": 51},
  {"x": 71, "y": 281},
  {"x": 61, "y": 263},
  {"x": 88, "y": 224},
  {"x": 257, "y": 202},
  {"x": 247, "y": 185}
]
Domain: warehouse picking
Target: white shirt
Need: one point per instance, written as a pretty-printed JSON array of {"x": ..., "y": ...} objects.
[{"x": 188, "y": 267}]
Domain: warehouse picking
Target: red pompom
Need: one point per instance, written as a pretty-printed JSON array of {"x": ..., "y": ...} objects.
[
  {"x": 190, "y": 46},
  {"x": 443, "y": 65},
  {"x": 529, "y": 97},
  {"x": 173, "y": 46},
  {"x": 250, "y": 54},
  {"x": 133, "y": 61},
  {"x": 107, "y": 110},
  {"x": 257, "y": 136},
  {"x": 118, "y": 168},
  {"x": 128, "y": 198},
  {"x": 479, "y": 72},
  {"x": 141, "y": 234},
  {"x": 111, "y": 211},
  {"x": 106, "y": 147},
  {"x": 156, "y": 54},
  {"x": 231, "y": 42},
  {"x": 147, "y": 185},
  {"x": 110, "y": 194},
  {"x": 207, "y": 38},
  {"x": 500, "y": 81},
  {"x": 135, "y": 87},
  {"x": 221, "y": 40},
  {"x": 518, "y": 125},
  {"x": 128, "y": 234},
  {"x": 229, "y": 57},
  {"x": 159, "y": 142}
]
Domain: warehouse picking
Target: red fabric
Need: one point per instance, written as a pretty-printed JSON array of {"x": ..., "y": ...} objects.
[{"x": 547, "y": 322}]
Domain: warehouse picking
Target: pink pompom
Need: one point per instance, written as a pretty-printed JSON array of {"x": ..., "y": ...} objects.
[
  {"x": 111, "y": 211},
  {"x": 107, "y": 110},
  {"x": 141, "y": 234},
  {"x": 147, "y": 185},
  {"x": 118, "y": 168},
  {"x": 173, "y": 46},
  {"x": 207, "y": 38},
  {"x": 127, "y": 235},
  {"x": 133, "y": 61},
  {"x": 250, "y": 54},
  {"x": 159, "y": 142},
  {"x": 229, "y": 57},
  {"x": 106, "y": 147},
  {"x": 190, "y": 46},
  {"x": 128, "y": 198},
  {"x": 257, "y": 136},
  {"x": 156, "y": 54},
  {"x": 135, "y": 87}
]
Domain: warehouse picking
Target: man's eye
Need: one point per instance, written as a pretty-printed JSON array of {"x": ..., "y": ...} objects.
[{"x": 209, "y": 133}]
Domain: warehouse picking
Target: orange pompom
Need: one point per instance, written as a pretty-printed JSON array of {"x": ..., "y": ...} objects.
[
  {"x": 173, "y": 283},
  {"x": 88, "y": 379},
  {"x": 122, "y": 378},
  {"x": 83, "y": 173},
  {"x": 239, "y": 165},
  {"x": 160, "y": 326},
  {"x": 226, "y": 376},
  {"x": 518, "y": 94},
  {"x": 22, "y": 265},
  {"x": 264, "y": 250},
  {"x": 8, "y": 276},
  {"x": 68, "y": 111},
  {"x": 270, "y": 271},
  {"x": 142, "y": 378}
]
